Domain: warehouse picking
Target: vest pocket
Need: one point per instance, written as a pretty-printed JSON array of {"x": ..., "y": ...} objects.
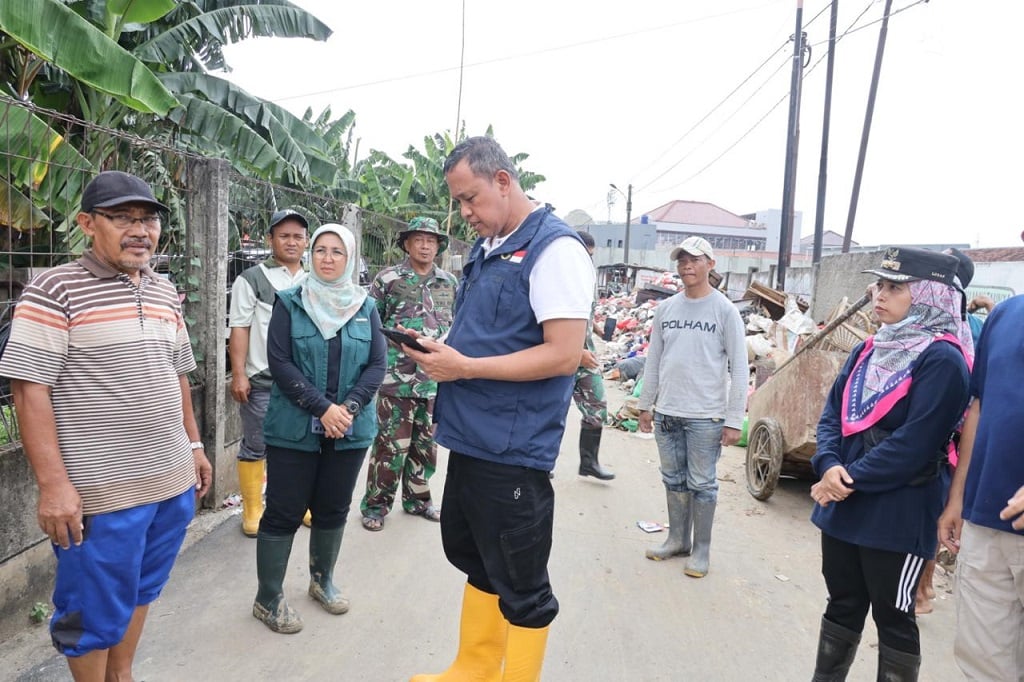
[{"x": 479, "y": 416}]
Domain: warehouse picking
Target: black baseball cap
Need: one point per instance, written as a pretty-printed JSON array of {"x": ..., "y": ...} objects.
[
  {"x": 285, "y": 214},
  {"x": 906, "y": 263},
  {"x": 113, "y": 188}
]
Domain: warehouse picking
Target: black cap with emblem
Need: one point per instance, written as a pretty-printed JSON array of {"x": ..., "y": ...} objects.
[{"x": 905, "y": 263}]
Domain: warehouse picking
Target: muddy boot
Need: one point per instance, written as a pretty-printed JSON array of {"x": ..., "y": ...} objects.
[
  {"x": 270, "y": 607},
  {"x": 680, "y": 525},
  {"x": 590, "y": 443},
  {"x": 323, "y": 553},
  {"x": 837, "y": 647},
  {"x": 897, "y": 666},
  {"x": 703, "y": 517}
]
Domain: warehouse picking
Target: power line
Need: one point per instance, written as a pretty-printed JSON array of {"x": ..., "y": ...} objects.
[
  {"x": 850, "y": 30},
  {"x": 720, "y": 126},
  {"x": 717, "y": 107},
  {"x": 521, "y": 55}
]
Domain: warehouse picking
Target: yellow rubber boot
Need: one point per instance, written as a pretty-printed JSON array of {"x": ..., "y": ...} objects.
[
  {"x": 524, "y": 654},
  {"x": 482, "y": 635},
  {"x": 307, "y": 520},
  {"x": 250, "y": 480}
]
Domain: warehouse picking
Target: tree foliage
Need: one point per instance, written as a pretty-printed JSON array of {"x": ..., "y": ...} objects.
[{"x": 150, "y": 68}]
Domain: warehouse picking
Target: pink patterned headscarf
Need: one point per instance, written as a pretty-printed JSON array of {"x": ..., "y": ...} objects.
[{"x": 881, "y": 375}]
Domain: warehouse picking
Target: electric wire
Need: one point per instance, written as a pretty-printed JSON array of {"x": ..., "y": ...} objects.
[
  {"x": 521, "y": 55},
  {"x": 850, "y": 30},
  {"x": 719, "y": 105},
  {"x": 458, "y": 112}
]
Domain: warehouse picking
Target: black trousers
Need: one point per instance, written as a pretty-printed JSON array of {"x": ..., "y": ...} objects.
[
  {"x": 320, "y": 481},
  {"x": 858, "y": 577},
  {"x": 496, "y": 524}
]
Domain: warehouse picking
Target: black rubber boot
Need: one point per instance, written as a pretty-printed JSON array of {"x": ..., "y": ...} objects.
[
  {"x": 270, "y": 607},
  {"x": 836, "y": 648},
  {"x": 897, "y": 666},
  {"x": 590, "y": 443},
  {"x": 324, "y": 546}
]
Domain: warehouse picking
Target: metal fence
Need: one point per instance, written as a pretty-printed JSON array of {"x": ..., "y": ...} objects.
[{"x": 47, "y": 158}]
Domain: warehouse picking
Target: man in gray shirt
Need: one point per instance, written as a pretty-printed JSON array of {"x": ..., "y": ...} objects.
[{"x": 694, "y": 394}]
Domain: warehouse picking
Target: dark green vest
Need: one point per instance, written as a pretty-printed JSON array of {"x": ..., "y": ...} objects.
[{"x": 289, "y": 426}]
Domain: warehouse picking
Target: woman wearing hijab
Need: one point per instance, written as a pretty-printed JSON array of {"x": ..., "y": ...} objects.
[
  {"x": 882, "y": 443},
  {"x": 327, "y": 357}
]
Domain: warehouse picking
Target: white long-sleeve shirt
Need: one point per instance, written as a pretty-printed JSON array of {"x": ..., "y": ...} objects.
[{"x": 697, "y": 360}]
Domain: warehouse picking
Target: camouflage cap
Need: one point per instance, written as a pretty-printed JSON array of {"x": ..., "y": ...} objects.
[{"x": 427, "y": 225}]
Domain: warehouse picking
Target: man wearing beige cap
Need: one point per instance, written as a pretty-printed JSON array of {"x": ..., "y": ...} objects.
[{"x": 693, "y": 399}]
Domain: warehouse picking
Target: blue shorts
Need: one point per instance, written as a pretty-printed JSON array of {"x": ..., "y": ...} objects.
[{"x": 124, "y": 562}]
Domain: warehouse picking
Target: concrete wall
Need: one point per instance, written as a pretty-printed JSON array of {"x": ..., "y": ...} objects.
[
  {"x": 840, "y": 275},
  {"x": 26, "y": 560},
  {"x": 1006, "y": 278}
]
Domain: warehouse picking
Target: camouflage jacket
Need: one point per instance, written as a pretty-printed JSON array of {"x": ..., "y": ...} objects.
[{"x": 423, "y": 303}]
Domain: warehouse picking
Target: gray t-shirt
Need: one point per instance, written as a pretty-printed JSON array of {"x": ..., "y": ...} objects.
[{"x": 697, "y": 360}]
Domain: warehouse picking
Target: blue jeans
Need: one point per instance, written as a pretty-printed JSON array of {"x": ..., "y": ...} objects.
[
  {"x": 252, "y": 413},
  {"x": 689, "y": 450}
]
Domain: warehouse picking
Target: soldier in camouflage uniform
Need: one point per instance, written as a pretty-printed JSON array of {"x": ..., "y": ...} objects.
[
  {"x": 588, "y": 392},
  {"x": 418, "y": 295}
]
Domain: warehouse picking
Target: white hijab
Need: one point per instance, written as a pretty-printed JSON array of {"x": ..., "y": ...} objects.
[{"x": 332, "y": 304}]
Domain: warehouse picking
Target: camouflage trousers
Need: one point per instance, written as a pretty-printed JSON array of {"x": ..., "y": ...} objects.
[
  {"x": 404, "y": 451},
  {"x": 588, "y": 392}
]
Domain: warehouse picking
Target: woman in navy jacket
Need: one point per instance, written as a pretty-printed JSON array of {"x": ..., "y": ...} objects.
[{"x": 881, "y": 445}]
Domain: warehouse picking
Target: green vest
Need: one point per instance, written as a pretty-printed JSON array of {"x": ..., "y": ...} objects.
[{"x": 289, "y": 426}]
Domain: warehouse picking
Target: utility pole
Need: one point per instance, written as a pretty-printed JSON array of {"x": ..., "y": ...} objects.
[
  {"x": 819, "y": 212},
  {"x": 859, "y": 175},
  {"x": 629, "y": 211},
  {"x": 792, "y": 141}
]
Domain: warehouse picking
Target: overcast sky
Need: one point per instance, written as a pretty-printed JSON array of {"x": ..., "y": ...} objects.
[{"x": 606, "y": 92}]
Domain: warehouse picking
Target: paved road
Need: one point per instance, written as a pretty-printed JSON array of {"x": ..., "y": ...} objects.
[{"x": 755, "y": 617}]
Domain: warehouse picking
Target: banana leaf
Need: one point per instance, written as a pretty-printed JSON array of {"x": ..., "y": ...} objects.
[
  {"x": 40, "y": 162},
  {"x": 230, "y": 25},
  {"x": 237, "y": 104},
  {"x": 207, "y": 125},
  {"x": 51, "y": 30},
  {"x": 17, "y": 210}
]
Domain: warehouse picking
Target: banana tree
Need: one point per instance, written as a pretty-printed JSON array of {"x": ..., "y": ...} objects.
[{"x": 142, "y": 66}]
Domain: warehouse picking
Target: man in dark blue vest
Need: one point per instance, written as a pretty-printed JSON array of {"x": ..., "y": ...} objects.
[{"x": 505, "y": 376}]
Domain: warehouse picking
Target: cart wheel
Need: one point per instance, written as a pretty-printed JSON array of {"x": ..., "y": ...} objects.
[{"x": 764, "y": 458}]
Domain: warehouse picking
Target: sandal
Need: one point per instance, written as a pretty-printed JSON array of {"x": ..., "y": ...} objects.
[
  {"x": 430, "y": 513},
  {"x": 373, "y": 523}
]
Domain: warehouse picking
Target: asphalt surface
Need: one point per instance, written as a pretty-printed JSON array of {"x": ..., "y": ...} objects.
[{"x": 623, "y": 617}]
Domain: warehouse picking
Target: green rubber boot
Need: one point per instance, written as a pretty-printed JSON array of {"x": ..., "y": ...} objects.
[
  {"x": 270, "y": 607},
  {"x": 324, "y": 545}
]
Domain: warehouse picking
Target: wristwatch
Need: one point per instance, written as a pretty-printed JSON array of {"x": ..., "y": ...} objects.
[
  {"x": 197, "y": 445},
  {"x": 352, "y": 406}
]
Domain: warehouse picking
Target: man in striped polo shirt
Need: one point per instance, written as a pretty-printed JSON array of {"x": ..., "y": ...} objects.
[{"x": 98, "y": 357}]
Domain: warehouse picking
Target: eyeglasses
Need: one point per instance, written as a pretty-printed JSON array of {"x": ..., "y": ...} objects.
[
  {"x": 124, "y": 220},
  {"x": 322, "y": 251}
]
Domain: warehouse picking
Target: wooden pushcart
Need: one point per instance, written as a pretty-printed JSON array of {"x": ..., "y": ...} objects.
[{"x": 783, "y": 413}]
